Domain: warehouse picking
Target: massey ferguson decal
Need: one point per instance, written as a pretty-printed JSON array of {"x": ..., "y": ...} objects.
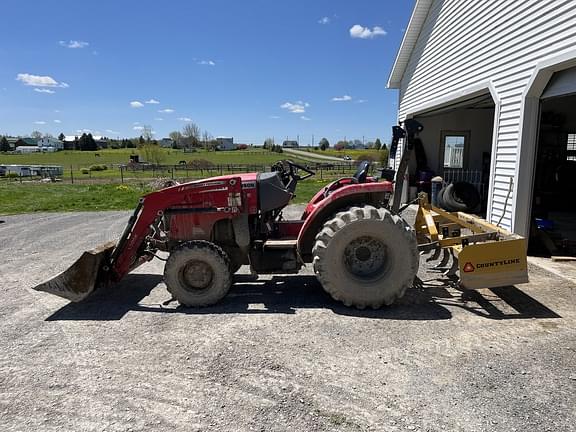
[{"x": 468, "y": 267}]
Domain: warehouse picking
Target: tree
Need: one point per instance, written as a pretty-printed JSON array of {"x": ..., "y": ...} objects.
[
  {"x": 4, "y": 145},
  {"x": 176, "y": 137},
  {"x": 384, "y": 155},
  {"x": 377, "y": 144},
  {"x": 191, "y": 132},
  {"x": 268, "y": 144},
  {"x": 152, "y": 153},
  {"x": 61, "y": 137},
  {"x": 36, "y": 134},
  {"x": 147, "y": 133},
  {"x": 206, "y": 140},
  {"x": 324, "y": 144},
  {"x": 87, "y": 143}
]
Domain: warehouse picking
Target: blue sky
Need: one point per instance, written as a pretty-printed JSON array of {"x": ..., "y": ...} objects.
[{"x": 249, "y": 69}]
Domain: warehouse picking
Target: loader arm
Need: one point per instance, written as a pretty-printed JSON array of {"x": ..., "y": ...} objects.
[
  {"x": 108, "y": 263},
  {"x": 220, "y": 196}
]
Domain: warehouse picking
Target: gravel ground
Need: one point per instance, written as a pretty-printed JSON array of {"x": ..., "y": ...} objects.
[{"x": 277, "y": 354}]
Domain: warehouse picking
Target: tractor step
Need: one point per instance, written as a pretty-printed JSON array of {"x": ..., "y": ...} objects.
[{"x": 280, "y": 244}]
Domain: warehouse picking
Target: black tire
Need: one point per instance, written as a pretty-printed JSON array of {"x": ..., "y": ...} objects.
[
  {"x": 366, "y": 257},
  {"x": 197, "y": 273},
  {"x": 461, "y": 196}
]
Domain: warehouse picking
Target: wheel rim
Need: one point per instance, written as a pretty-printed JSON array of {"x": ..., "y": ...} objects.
[
  {"x": 196, "y": 276},
  {"x": 366, "y": 258}
]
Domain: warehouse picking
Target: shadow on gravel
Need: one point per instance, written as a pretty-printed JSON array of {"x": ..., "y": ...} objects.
[
  {"x": 427, "y": 300},
  {"x": 111, "y": 303}
]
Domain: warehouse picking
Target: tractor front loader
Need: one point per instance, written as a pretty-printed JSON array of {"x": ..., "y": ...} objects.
[{"x": 362, "y": 251}]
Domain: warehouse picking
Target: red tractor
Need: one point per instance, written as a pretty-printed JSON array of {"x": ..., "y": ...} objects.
[{"x": 363, "y": 253}]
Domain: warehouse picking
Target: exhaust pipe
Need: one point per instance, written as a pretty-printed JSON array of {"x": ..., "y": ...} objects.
[{"x": 81, "y": 278}]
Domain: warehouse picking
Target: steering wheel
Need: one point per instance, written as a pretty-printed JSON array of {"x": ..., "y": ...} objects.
[{"x": 294, "y": 168}]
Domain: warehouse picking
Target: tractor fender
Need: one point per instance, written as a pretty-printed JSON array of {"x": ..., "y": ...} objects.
[{"x": 323, "y": 208}]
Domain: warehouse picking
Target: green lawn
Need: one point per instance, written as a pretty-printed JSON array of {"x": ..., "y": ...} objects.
[
  {"x": 74, "y": 161},
  {"x": 18, "y": 198},
  {"x": 78, "y": 159},
  {"x": 352, "y": 153}
]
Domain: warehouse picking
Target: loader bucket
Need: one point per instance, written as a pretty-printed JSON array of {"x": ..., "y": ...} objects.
[{"x": 81, "y": 278}]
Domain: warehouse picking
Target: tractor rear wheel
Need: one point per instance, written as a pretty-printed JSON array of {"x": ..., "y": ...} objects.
[
  {"x": 366, "y": 257},
  {"x": 197, "y": 273}
]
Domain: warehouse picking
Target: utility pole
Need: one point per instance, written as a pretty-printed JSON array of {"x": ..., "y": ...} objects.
[{"x": 312, "y": 140}]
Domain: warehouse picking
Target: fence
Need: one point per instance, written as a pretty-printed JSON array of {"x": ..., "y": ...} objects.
[{"x": 114, "y": 173}]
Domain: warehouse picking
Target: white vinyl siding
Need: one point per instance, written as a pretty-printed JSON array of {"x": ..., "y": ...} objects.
[{"x": 465, "y": 43}]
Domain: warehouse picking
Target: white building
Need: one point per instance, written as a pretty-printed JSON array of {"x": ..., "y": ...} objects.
[
  {"x": 290, "y": 144},
  {"x": 225, "y": 143},
  {"x": 50, "y": 144},
  {"x": 166, "y": 142},
  {"x": 498, "y": 77}
]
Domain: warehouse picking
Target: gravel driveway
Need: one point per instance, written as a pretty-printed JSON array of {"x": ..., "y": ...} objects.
[{"x": 277, "y": 355}]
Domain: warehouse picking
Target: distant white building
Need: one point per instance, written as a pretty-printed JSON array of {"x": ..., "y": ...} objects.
[
  {"x": 225, "y": 143},
  {"x": 166, "y": 142},
  {"x": 50, "y": 144},
  {"x": 290, "y": 144}
]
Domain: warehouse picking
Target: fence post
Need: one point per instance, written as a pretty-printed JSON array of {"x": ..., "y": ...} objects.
[
  {"x": 121, "y": 174},
  {"x": 71, "y": 174}
]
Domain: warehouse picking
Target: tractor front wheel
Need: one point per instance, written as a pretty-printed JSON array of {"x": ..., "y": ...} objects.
[
  {"x": 366, "y": 257},
  {"x": 197, "y": 273}
]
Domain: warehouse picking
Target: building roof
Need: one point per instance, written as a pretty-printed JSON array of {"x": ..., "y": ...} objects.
[
  {"x": 419, "y": 14},
  {"x": 27, "y": 141}
]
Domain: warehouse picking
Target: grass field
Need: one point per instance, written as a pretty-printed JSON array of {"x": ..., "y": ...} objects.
[
  {"x": 354, "y": 154},
  {"x": 79, "y": 159},
  {"x": 18, "y": 198}
]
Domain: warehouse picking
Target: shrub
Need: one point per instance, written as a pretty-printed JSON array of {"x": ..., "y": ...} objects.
[
  {"x": 365, "y": 157},
  {"x": 98, "y": 168},
  {"x": 12, "y": 175},
  {"x": 200, "y": 164},
  {"x": 84, "y": 170},
  {"x": 242, "y": 146}
]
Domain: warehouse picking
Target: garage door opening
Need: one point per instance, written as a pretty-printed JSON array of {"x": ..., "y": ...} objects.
[
  {"x": 553, "y": 226},
  {"x": 456, "y": 144}
]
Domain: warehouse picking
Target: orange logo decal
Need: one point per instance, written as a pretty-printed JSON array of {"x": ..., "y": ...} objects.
[{"x": 468, "y": 267}]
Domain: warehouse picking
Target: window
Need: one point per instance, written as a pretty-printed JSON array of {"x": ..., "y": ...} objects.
[
  {"x": 571, "y": 147},
  {"x": 454, "y": 147}
]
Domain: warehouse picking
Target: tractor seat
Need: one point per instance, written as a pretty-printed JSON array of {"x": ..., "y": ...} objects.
[{"x": 272, "y": 194}]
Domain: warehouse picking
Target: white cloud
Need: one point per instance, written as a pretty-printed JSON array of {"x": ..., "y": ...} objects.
[
  {"x": 136, "y": 104},
  {"x": 112, "y": 132},
  {"x": 360, "y": 101},
  {"x": 152, "y": 101},
  {"x": 305, "y": 118},
  {"x": 39, "y": 80},
  {"x": 40, "y": 122},
  {"x": 297, "y": 107},
  {"x": 185, "y": 119},
  {"x": 74, "y": 44},
  {"x": 274, "y": 117},
  {"x": 138, "y": 128},
  {"x": 57, "y": 121},
  {"x": 44, "y": 90},
  {"x": 158, "y": 118},
  {"x": 357, "y": 31},
  {"x": 344, "y": 98},
  {"x": 80, "y": 131},
  {"x": 136, "y": 123},
  {"x": 207, "y": 63},
  {"x": 166, "y": 110},
  {"x": 56, "y": 111},
  {"x": 324, "y": 20}
]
